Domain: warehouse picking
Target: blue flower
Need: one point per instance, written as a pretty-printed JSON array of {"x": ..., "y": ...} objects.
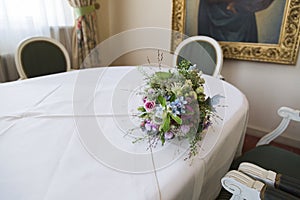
[
  {"x": 159, "y": 111},
  {"x": 192, "y": 67},
  {"x": 178, "y": 106}
]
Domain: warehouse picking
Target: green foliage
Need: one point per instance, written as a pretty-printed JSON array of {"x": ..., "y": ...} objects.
[{"x": 177, "y": 119}]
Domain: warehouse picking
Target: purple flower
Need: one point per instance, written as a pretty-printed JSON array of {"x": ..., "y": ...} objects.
[
  {"x": 206, "y": 125},
  {"x": 185, "y": 129},
  {"x": 169, "y": 135},
  {"x": 188, "y": 107},
  {"x": 148, "y": 126},
  {"x": 151, "y": 91},
  {"x": 149, "y": 105},
  {"x": 144, "y": 99}
]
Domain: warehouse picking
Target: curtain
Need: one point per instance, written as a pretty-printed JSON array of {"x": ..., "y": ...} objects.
[
  {"x": 8, "y": 70},
  {"x": 85, "y": 34},
  {"x": 22, "y": 19}
]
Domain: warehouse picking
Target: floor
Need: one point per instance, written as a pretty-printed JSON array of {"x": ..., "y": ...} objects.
[{"x": 250, "y": 142}]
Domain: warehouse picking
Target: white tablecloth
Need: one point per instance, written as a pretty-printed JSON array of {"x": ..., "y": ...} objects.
[{"x": 63, "y": 137}]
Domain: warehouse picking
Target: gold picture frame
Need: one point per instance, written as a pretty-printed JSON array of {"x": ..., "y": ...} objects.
[{"x": 285, "y": 51}]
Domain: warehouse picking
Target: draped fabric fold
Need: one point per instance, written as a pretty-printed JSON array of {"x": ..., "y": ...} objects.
[{"x": 85, "y": 31}]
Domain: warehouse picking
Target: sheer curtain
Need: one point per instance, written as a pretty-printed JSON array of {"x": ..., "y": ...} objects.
[{"x": 20, "y": 19}]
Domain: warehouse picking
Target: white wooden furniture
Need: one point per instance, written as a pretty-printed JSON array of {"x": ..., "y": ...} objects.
[
  {"x": 203, "y": 51},
  {"x": 287, "y": 115},
  {"x": 248, "y": 182}
]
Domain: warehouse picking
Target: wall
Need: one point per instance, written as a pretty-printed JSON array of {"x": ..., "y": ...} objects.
[
  {"x": 117, "y": 16},
  {"x": 266, "y": 86}
]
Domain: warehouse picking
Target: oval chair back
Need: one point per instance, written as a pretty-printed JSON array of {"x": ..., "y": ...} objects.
[
  {"x": 203, "y": 51},
  {"x": 38, "y": 56}
]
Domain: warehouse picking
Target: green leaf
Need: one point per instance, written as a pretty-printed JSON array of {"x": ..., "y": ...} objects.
[
  {"x": 143, "y": 115},
  {"x": 163, "y": 75},
  {"x": 173, "y": 97},
  {"x": 142, "y": 109},
  {"x": 162, "y": 100},
  {"x": 162, "y": 138},
  {"x": 177, "y": 119},
  {"x": 165, "y": 126}
]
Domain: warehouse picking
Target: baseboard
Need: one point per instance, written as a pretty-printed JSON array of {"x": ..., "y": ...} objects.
[{"x": 281, "y": 139}]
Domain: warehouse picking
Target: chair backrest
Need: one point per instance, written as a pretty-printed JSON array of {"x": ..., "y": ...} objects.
[
  {"x": 203, "y": 51},
  {"x": 38, "y": 56}
]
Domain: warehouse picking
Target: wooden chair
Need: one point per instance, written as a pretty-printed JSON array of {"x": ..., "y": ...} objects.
[
  {"x": 265, "y": 172},
  {"x": 203, "y": 51},
  {"x": 38, "y": 56}
]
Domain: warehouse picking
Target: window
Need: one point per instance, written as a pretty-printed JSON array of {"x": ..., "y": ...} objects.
[{"x": 20, "y": 19}]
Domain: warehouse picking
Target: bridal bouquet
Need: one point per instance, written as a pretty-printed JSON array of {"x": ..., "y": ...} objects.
[{"x": 175, "y": 106}]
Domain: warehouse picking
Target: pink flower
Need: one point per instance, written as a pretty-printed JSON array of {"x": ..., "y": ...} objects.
[{"x": 149, "y": 105}]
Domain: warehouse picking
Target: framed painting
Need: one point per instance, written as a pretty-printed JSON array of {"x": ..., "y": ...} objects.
[{"x": 255, "y": 30}]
